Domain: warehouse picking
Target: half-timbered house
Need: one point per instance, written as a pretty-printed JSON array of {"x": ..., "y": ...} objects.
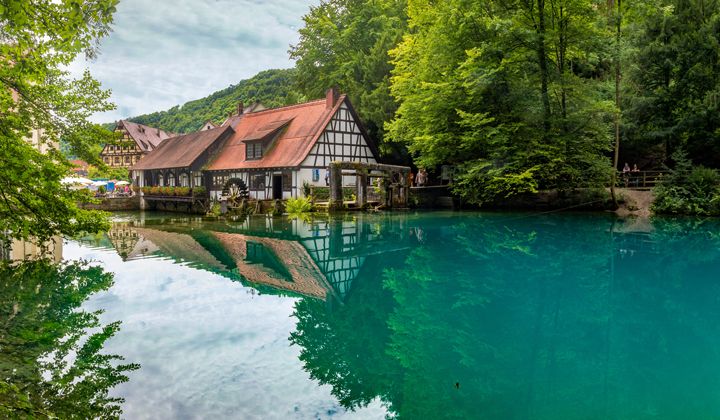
[
  {"x": 275, "y": 151},
  {"x": 137, "y": 141},
  {"x": 179, "y": 161}
]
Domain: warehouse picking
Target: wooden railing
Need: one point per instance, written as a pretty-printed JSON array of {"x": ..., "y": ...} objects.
[{"x": 642, "y": 180}]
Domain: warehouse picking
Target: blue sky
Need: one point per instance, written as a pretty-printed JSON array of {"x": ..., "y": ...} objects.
[{"x": 166, "y": 52}]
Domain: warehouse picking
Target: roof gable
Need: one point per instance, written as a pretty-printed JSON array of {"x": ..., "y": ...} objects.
[
  {"x": 146, "y": 137},
  {"x": 302, "y": 124},
  {"x": 182, "y": 151}
]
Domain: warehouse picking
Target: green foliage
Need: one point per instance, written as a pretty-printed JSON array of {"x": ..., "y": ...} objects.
[
  {"x": 39, "y": 39},
  {"x": 52, "y": 365},
  {"x": 672, "y": 88},
  {"x": 298, "y": 205},
  {"x": 323, "y": 193},
  {"x": 484, "y": 86},
  {"x": 689, "y": 190},
  {"x": 107, "y": 172},
  {"x": 345, "y": 43},
  {"x": 306, "y": 189},
  {"x": 272, "y": 88}
]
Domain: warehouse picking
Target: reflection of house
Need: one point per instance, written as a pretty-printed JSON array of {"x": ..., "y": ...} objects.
[
  {"x": 20, "y": 250},
  {"x": 274, "y": 152},
  {"x": 137, "y": 141},
  {"x": 273, "y": 255},
  {"x": 280, "y": 264}
]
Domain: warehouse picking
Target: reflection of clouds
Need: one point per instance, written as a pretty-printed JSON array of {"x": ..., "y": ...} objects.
[
  {"x": 163, "y": 53},
  {"x": 208, "y": 348}
]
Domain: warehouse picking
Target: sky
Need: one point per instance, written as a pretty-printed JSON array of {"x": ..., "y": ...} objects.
[{"x": 163, "y": 53}]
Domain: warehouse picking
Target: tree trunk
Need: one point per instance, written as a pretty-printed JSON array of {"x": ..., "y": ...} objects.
[
  {"x": 542, "y": 61},
  {"x": 618, "y": 74}
]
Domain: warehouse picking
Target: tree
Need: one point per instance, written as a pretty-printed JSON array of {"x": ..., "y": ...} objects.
[
  {"x": 673, "y": 84},
  {"x": 345, "y": 43},
  {"x": 512, "y": 92},
  {"x": 39, "y": 38},
  {"x": 51, "y": 365}
]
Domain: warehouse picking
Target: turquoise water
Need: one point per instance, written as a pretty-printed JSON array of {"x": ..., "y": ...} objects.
[{"x": 415, "y": 316}]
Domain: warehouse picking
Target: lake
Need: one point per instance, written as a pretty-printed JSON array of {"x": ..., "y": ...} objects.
[{"x": 409, "y": 315}]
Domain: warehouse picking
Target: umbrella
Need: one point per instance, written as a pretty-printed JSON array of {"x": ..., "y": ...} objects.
[
  {"x": 99, "y": 183},
  {"x": 69, "y": 180},
  {"x": 122, "y": 183}
]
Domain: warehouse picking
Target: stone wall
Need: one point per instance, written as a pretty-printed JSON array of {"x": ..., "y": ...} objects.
[
  {"x": 434, "y": 197},
  {"x": 115, "y": 204}
]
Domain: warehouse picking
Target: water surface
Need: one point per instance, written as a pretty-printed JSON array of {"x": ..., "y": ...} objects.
[{"x": 417, "y": 316}]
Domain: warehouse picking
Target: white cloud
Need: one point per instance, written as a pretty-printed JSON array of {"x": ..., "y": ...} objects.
[
  {"x": 166, "y": 52},
  {"x": 207, "y": 346}
]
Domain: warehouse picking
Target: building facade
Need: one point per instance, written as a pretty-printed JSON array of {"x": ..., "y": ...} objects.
[
  {"x": 271, "y": 152},
  {"x": 275, "y": 151},
  {"x": 137, "y": 141}
]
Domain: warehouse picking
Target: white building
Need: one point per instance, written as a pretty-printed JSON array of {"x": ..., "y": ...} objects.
[{"x": 272, "y": 152}]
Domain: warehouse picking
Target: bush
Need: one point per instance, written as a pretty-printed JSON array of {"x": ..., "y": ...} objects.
[
  {"x": 691, "y": 191},
  {"x": 323, "y": 193},
  {"x": 102, "y": 189},
  {"x": 298, "y": 205},
  {"x": 198, "y": 191}
]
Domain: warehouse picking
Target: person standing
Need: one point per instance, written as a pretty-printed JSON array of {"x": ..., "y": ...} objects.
[
  {"x": 410, "y": 179},
  {"x": 421, "y": 178},
  {"x": 626, "y": 173}
]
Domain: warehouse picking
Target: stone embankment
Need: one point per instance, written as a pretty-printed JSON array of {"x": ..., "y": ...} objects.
[{"x": 115, "y": 204}]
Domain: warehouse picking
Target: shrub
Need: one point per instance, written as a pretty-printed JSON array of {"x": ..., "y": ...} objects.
[
  {"x": 102, "y": 189},
  {"x": 182, "y": 191},
  {"x": 298, "y": 205},
  {"x": 306, "y": 189},
  {"x": 198, "y": 191},
  {"x": 690, "y": 191}
]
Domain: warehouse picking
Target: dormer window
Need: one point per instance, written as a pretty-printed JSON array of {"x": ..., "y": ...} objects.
[{"x": 253, "y": 150}]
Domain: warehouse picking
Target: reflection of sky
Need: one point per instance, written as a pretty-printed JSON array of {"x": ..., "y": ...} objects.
[{"x": 208, "y": 347}]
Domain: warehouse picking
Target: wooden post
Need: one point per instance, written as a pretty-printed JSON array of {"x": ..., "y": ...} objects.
[{"x": 336, "y": 193}]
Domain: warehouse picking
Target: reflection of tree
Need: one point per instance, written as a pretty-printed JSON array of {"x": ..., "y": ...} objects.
[
  {"x": 51, "y": 363},
  {"x": 538, "y": 318}
]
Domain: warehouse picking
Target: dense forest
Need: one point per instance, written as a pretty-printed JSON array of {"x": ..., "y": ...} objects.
[
  {"x": 271, "y": 88},
  {"x": 526, "y": 94}
]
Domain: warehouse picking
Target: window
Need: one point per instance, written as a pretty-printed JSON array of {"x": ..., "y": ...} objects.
[
  {"x": 117, "y": 160},
  {"x": 161, "y": 180},
  {"x": 287, "y": 181},
  {"x": 184, "y": 180},
  {"x": 171, "y": 180},
  {"x": 316, "y": 175},
  {"x": 257, "y": 182},
  {"x": 253, "y": 150},
  {"x": 127, "y": 159},
  {"x": 197, "y": 179},
  {"x": 106, "y": 159}
]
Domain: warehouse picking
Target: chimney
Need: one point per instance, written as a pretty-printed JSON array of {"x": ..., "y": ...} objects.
[
  {"x": 331, "y": 97},
  {"x": 240, "y": 108}
]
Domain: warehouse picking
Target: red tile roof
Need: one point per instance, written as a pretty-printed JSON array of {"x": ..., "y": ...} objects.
[
  {"x": 302, "y": 124},
  {"x": 148, "y": 138},
  {"x": 182, "y": 151}
]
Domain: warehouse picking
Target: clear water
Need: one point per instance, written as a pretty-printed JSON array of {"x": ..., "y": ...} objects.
[{"x": 415, "y": 316}]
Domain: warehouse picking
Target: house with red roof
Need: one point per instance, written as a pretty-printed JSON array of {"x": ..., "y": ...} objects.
[
  {"x": 137, "y": 141},
  {"x": 180, "y": 161},
  {"x": 275, "y": 151},
  {"x": 271, "y": 152}
]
